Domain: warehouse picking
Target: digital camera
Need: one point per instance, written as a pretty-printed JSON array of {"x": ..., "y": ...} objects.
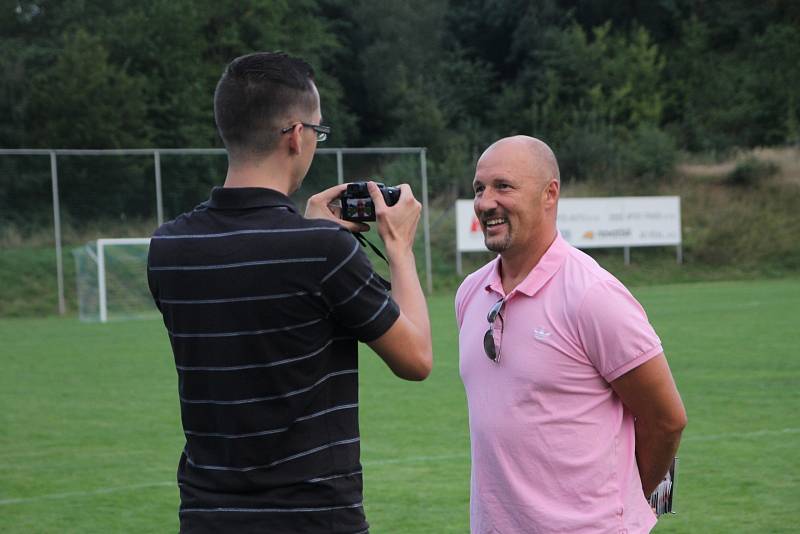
[{"x": 357, "y": 205}]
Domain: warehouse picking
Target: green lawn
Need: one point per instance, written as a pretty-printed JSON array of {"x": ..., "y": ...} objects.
[{"x": 89, "y": 426}]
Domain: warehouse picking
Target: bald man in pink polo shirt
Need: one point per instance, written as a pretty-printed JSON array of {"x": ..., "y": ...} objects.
[{"x": 574, "y": 416}]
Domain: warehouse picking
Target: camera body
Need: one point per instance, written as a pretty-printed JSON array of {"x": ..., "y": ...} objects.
[{"x": 357, "y": 205}]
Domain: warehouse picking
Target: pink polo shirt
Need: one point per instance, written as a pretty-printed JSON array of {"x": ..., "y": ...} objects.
[{"x": 552, "y": 444}]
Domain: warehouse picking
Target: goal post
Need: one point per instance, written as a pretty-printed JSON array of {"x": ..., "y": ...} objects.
[
  {"x": 111, "y": 278},
  {"x": 102, "y": 286}
]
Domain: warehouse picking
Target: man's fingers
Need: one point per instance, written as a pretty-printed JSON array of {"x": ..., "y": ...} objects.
[
  {"x": 321, "y": 205},
  {"x": 377, "y": 196},
  {"x": 330, "y": 194},
  {"x": 406, "y": 192}
]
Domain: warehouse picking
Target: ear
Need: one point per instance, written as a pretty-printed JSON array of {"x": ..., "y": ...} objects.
[
  {"x": 551, "y": 193},
  {"x": 295, "y": 140}
]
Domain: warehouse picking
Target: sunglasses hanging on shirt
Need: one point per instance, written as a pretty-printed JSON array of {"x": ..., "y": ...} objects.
[{"x": 491, "y": 342}]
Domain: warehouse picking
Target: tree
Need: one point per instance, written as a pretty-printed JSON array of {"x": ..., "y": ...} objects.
[
  {"x": 776, "y": 56},
  {"x": 83, "y": 100}
]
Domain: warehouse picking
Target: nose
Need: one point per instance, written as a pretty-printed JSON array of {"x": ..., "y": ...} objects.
[{"x": 484, "y": 202}]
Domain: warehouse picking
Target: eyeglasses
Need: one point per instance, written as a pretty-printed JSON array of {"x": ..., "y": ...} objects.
[
  {"x": 322, "y": 131},
  {"x": 494, "y": 335}
]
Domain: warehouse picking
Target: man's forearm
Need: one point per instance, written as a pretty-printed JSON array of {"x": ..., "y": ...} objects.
[
  {"x": 407, "y": 291},
  {"x": 655, "y": 449},
  {"x": 649, "y": 392}
]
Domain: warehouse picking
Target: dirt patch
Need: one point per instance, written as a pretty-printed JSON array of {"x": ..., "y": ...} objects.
[{"x": 786, "y": 159}]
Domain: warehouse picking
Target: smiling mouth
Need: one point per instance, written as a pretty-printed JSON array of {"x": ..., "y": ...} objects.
[{"x": 494, "y": 221}]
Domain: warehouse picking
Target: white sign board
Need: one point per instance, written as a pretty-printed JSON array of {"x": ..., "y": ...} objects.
[
  {"x": 595, "y": 222},
  {"x": 620, "y": 221},
  {"x": 469, "y": 236}
]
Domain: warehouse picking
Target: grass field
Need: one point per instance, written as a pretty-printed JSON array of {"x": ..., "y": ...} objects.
[{"x": 89, "y": 426}]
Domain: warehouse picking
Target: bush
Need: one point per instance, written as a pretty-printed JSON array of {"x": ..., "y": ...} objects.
[
  {"x": 587, "y": 153},
  {"x": 651, "y": 153},
  {"x": 750, "y": 172}
]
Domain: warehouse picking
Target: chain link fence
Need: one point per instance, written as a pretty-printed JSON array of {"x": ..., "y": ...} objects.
[{"x": 55, "y": 201}]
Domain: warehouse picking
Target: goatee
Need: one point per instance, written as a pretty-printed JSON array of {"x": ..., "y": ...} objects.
[{"x": 497, "y": 245}]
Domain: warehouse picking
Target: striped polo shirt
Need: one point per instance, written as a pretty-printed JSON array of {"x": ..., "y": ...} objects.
[{"x": 264, "y": 309}]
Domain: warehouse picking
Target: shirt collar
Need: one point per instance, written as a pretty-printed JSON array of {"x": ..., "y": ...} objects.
[
  {"x": 227, "y": 198},
  {"x": 548, "y": 265}
]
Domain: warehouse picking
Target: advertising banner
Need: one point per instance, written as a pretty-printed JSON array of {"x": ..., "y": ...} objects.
[
  {"x": 469, "y": 236},
  {"x": 595, "y": 222},
  {"x": 620, "y": 221}
]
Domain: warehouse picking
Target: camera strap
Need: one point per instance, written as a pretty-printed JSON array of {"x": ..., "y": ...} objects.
[{"x": 364, "y": 242}]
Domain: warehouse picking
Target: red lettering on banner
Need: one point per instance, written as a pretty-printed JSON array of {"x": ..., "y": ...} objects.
[{"x": 475, "y": 226}]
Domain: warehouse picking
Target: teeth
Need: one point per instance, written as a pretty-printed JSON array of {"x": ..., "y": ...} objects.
[{"x": 492, "y": 222}]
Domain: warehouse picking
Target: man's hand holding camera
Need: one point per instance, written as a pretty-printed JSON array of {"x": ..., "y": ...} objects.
[
  {"x": 397, "y": 225},
  {"x": 323, "y": 206}
]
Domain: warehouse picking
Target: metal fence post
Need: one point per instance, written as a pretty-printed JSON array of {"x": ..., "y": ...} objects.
[
  {"x": 102, "y": 301},
  {"x": 426, "y": 219},
  {"x": 339, "y": 167},
  {"x": 62, "y": 307}
]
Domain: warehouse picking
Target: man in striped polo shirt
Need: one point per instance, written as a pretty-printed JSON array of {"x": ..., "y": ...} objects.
[{"x": 264, "y": 308}]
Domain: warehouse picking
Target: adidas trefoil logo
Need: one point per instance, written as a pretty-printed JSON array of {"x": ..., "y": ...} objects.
[{"x": 540, "y": 333}]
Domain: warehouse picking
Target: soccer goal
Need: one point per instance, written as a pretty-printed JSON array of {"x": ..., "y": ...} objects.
[{"x": 112, "y": 279}]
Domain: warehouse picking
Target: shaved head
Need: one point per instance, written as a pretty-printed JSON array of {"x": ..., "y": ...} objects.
[{"x": 527, "y": 153}]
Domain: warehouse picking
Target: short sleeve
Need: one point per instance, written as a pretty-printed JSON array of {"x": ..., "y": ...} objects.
[
  {"x": 614, "y": 330},
  {"x": 459, "y": 305},
  {"x": 151, "y": 280},
  {"x": 467, "y": 289},
  {"x": 357, "y": 299}
]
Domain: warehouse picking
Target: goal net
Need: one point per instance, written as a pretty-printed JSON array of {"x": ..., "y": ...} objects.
[{"x": 112, "y": 280}]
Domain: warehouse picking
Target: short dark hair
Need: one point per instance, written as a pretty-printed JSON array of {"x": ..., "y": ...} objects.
[{"x": 255, "y": 93}]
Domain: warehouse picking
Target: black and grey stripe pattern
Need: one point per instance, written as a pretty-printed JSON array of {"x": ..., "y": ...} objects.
[{"x": 263, "y": 309}]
